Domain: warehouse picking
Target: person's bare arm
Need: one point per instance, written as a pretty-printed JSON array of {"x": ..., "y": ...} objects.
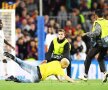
[
  {"x": 9, "y": 44},
  {"x": 58, "y": 78},
  {"x": 69, "y": 79},
  {"x": 44, "y": 61}
]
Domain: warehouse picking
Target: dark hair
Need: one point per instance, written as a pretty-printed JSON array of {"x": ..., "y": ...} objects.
[{"x": 99, "y": 12}]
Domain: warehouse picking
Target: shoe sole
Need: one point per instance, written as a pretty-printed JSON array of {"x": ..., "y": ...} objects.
[
  {"x": 82, "y": 79},
  {"x": 8, "y": 55}
]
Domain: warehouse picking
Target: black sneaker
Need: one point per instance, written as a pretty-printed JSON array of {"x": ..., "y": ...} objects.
[
  {"x": 9, "y": 55},
  {"x": 17, "y": 80},
  {"x": 11, "y": 78}
]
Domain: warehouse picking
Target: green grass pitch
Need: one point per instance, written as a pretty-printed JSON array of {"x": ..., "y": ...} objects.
[{"x": 54, "y": 85}]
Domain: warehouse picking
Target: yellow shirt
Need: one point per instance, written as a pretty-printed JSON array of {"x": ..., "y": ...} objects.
[{"x": 51, "y": 68}]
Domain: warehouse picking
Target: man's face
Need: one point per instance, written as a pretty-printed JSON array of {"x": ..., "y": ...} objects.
[
  {"x": 1, "y": 25},
  {"x": 61, "y": 35},
  {"x": 64, "y": 66}
]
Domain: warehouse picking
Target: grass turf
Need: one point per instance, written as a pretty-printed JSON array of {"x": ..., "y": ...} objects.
[{"x": 54, "y": 85}]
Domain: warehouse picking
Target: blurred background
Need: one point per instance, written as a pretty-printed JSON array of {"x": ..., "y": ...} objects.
[{"x": 74, "y": 16}]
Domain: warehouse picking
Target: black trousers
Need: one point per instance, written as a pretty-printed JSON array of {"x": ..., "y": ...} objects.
[
  {"x": 91, "y": 54},
  {"x": 69, "y": 69}
]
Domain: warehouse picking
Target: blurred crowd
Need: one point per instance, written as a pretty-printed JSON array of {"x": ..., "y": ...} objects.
[{"x": 74, "y": 16}]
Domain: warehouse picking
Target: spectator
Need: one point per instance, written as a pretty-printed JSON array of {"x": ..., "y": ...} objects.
[
  {"x": 31, "y": 7},
  {"x": 26, "y": 36},
  {"x": 46, "y": 17},
  {"x": 62, "y": 16},
  {"x": 76, "y": 52},
  {"x": 50, "y": 36},
  {"x": 31, "y": 21},
  {"x": 24, "y": 15},
  {"x": 81, "y": 18},
  {"x": 18, "y": 23},
  {"x": 32, "y": 31},
  {"x": 35, "y": 14},
  {"x": 32, "y": 50},
  {"x": 83, "y": 6},
  {"x": 21, "y": 48},
  {"x": 74, "y": 19},
  {"x": 19, "y": 9},
  {"x": 68, "y": 28},
  {"x": 100, "y": 4},
  {"x": 94, "y": 6},
  {"x": 18, "y": 33},
  {"x": 79, "y": 31},
  {"x": 25, "y": 25},
  {"x": 81, "y": 43}
]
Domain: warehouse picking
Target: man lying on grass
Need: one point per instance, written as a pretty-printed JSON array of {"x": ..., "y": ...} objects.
[{"x": 42, "y": 71}]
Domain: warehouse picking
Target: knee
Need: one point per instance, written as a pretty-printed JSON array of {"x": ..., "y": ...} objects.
[{"x": 4, "y": 61}]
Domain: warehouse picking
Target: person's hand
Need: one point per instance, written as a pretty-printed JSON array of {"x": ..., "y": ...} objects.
[
  {"x": 74, "y": 81},
  {"x": 13, "y": 48}
]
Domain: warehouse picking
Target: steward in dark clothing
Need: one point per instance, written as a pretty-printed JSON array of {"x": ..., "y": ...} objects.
[{"x": 58, "y": 49}]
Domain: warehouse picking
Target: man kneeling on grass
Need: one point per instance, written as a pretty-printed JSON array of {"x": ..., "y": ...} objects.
[{"x": 42, "y": 71}]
